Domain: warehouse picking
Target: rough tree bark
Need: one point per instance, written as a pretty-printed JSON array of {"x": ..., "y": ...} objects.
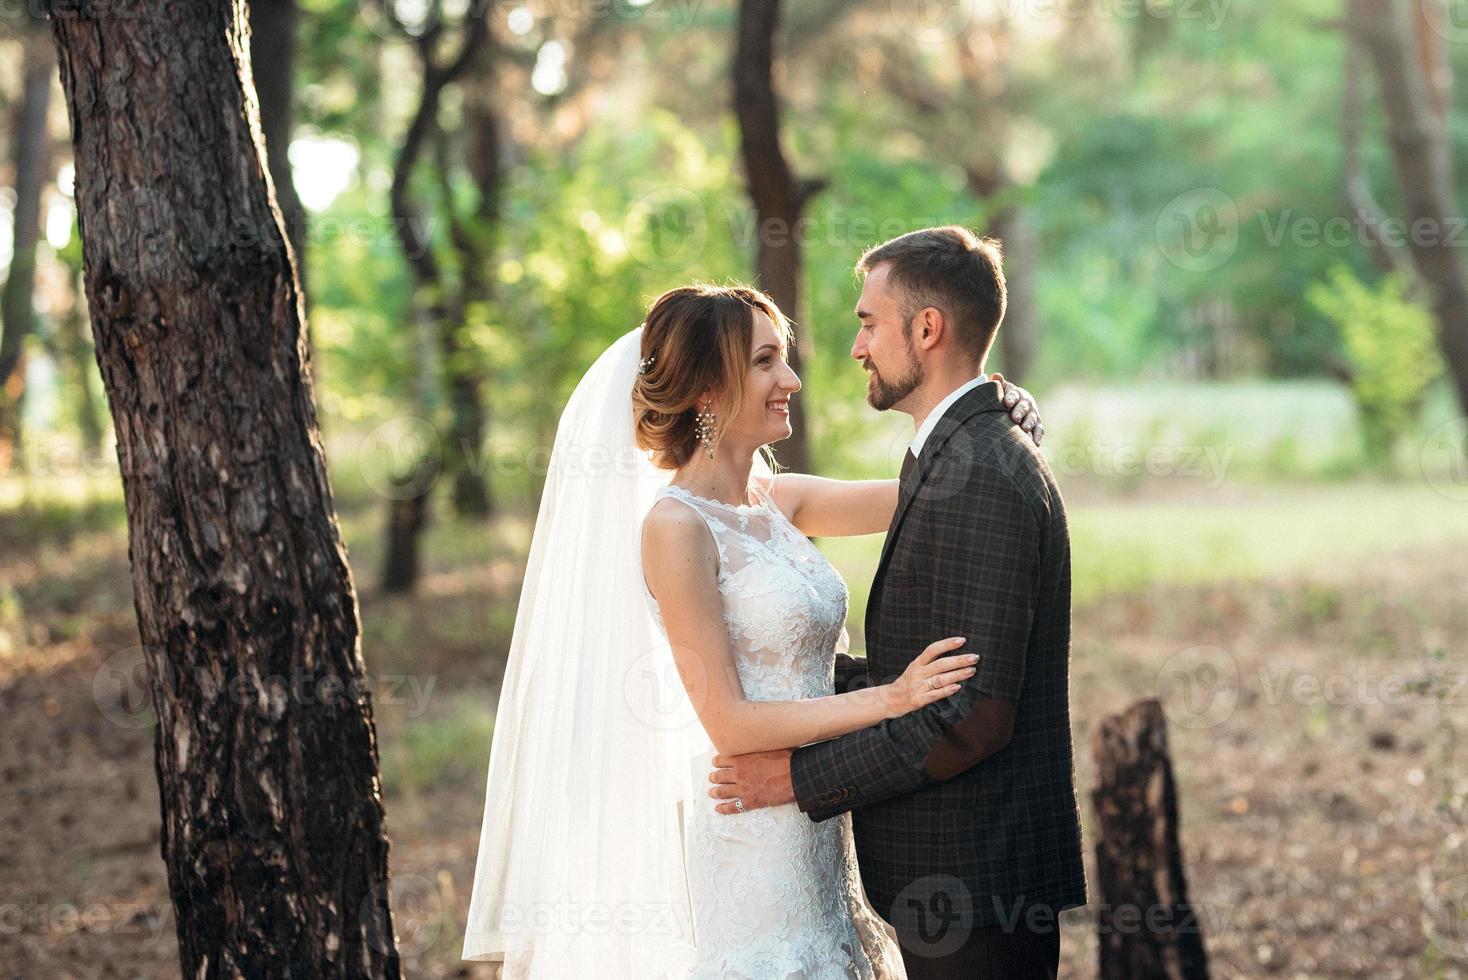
[
  {"x": 1412, "y": 79},
  {"x": 779, "y": 199},
  {"x": 266, "y": 751},
  {"x": 1146, "y": 926},
  {"x": 32, "y": 169}
]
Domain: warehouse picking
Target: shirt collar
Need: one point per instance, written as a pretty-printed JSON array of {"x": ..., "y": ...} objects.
[{"x": 931, "y": 422}]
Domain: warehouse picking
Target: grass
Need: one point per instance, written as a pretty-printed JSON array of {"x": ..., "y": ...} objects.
[
  {"x": 1130, "y": 544},
  {"x": 445, "y": 748}
]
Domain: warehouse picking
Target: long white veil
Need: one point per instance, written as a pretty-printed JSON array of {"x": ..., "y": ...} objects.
[{"x": 581, "y": 867}]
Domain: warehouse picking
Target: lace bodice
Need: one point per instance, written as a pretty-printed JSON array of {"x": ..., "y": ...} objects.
[
  {"x": 784, "y": 605},
  {"x": 777, "y": 896}
]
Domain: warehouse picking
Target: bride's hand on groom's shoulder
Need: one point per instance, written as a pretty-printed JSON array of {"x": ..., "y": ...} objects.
[
  {"x": 1022, "y": 407},
  {"x": 930, "y": 677}
]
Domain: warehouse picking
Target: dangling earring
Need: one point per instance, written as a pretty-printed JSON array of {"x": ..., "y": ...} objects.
[{"x": 705, "y": 430}]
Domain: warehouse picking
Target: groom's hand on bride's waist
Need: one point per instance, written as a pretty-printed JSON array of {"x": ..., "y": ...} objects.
[{"x": 757, "y": 779}]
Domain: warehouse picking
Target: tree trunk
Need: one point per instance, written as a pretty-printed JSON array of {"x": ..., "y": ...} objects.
[
  {"x": 17, "y": 301},
  {"x": 273, "y": 62},
  {"x": 1411, "y": 78},
  {"x": 779, "y": 199},
  {"x": 266, "y": 759},
  {"x": 408, "y": 513},
  {"x": 472, "y": 240},
  {"x": 1146, "y": 926},
  {"x": 1019, "y": 334}
]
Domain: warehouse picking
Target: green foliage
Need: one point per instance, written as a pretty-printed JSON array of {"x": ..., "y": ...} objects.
[{"x": 1390, "y": 341}]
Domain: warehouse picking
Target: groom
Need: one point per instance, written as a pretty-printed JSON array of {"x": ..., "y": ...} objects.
[{"x": 964, "y": 812}]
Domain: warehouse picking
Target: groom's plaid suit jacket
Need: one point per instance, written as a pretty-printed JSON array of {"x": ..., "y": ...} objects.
[{"x": 978, "y": 548}]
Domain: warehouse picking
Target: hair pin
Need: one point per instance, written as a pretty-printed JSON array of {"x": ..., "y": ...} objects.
[{"x": 645, "y": 365}]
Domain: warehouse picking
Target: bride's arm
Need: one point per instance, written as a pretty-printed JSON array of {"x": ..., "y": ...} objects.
[
  {"x": 821, "y": 507},
  {"x": 824, "y": 508},
  {"x": 681, "y": 568}
]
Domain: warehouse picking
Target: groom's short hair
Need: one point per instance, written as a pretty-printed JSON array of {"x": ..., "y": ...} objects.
[{"x": 952, "y": 270}]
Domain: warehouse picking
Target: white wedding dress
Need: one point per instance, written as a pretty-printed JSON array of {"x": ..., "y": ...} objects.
[{"x": 775, "y": 895}]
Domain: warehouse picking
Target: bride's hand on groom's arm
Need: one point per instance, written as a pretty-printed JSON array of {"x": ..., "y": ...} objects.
[
  {"x": 761, "y": 779},
  {"x": 930, "y": 677}
]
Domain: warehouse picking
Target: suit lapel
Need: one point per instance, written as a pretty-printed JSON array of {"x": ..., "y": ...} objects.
[{"x": 982, "y": 398}]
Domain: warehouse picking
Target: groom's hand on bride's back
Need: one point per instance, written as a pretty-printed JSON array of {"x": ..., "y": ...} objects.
[{"x": 1022, "y": 407}]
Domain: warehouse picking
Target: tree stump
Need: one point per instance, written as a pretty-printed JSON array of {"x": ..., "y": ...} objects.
[{"x": 1146, "y": 926}]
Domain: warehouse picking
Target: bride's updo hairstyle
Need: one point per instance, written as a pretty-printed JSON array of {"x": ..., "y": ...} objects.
[{"x": 698, "y": 337}]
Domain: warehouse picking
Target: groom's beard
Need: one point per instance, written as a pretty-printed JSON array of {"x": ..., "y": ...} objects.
[{"x": 884, "y": 392}]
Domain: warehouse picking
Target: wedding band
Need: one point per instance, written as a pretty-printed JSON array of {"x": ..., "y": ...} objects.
[
  {"x": 739, "y": 804},
  {"x": 930, "y": 685}
]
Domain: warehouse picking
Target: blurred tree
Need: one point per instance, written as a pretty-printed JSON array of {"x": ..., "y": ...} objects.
[
  {"x": 1414, "y": 81},
  {"x": 779, "y": 198},
  {"x": 266, "y": 751},
  {"x": 436, "y": 309},
  {"x": 273, "y": 66},
  {"x": 32, "y": 173},
  {"x": 77, "y": 355},
  {"x": 963, "y": 100}
]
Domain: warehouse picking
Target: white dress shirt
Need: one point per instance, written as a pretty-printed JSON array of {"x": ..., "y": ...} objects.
[{"x": 931, "y": 422}]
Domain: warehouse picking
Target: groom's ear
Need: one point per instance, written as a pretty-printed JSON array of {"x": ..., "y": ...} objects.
[{"x": 928, "y": 327}]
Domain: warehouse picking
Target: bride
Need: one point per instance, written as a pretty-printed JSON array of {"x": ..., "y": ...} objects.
[{"x": 674, "y": 608}]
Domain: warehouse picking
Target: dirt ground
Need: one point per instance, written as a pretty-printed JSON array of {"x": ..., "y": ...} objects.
[{"x": 1316, "y": 726}]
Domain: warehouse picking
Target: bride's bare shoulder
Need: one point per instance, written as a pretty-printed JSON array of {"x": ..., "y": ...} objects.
[
  {"x": 673, "y": 536},
  {"x": 670, "y": 522}
]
